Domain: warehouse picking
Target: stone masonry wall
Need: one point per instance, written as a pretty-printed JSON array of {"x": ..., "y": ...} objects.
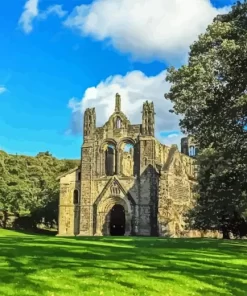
[
  {"x": 67, "y": 209},
  {"x": 154, "y": 187}
]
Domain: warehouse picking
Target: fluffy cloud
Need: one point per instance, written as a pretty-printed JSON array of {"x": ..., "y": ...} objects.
[
  {"x": 2, "y": 89},
  {"x": 54, "y": 9},
  {"x": 29, "y": 14},
  {"x": 135, "y": 88},
  {"x": 32, "y": 12},
  {"x": 160, "y": 29}
]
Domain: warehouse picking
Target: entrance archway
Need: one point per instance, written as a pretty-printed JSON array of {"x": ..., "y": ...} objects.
[
  {"x": 104, "y": 216},
  {"x": 117, "y": 220}
]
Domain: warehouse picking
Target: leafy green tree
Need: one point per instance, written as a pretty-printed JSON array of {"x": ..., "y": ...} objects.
[
  {"x": 28, "y": 186},
  {"x": 211, "y": 95}
]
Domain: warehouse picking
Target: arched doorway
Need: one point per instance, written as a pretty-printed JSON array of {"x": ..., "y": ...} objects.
[{"x": 117, "y": 220}]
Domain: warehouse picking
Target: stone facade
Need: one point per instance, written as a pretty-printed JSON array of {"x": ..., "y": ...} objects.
[{"x": 124, "y": 164}]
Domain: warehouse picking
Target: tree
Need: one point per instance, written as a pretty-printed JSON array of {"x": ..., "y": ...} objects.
[
  {"x": 211, "y": 95},
  {"x": 28, "y": 186}
]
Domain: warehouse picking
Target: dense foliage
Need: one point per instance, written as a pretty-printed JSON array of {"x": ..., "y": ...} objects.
[
  {"x": 28, "y": 187},
  {"x": 211, "y": 95}
]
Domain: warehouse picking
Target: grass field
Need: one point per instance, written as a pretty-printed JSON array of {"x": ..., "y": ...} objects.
[{"x": 53, "y": 266}]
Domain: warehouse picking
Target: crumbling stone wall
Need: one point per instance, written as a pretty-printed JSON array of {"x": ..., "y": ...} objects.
[{"x": 69, "y": 211}]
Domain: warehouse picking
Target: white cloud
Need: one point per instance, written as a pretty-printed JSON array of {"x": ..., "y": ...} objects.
[
  {"x": 2, "y": 89},
  {"x": 160, "y": 29},
  {"x": 172, "y": 139},
  {"x": 54, "y": 9},
  {"x": 29, "y": 14},
  {"x": 135, "y": 88},
  {"x": 32, "y": 12},
  {"x": 172, "y": 135}
]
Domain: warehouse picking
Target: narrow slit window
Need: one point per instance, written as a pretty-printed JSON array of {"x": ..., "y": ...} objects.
[
  {"x": 118, "y": 122},
  {"x": 76, "y": 197}
]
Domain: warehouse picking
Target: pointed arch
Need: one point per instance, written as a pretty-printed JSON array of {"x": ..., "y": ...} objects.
[{"x": 121, "y": 188}]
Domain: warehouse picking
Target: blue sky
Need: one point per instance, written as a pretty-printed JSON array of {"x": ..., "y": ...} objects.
[{"x": 59, "y": 61}]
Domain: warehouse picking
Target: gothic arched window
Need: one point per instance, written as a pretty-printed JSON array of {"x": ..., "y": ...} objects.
[
  {"x": 110, "y": 165},
  {"x": 191, "y": 151}
]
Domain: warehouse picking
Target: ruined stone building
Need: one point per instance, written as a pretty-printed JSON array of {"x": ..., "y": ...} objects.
[{"x": 128, "y": 183}]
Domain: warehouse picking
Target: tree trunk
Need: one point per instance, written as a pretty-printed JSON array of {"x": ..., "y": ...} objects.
[
  {"x": 5, "y": 219},
  {"x": 226, "y": 233}
]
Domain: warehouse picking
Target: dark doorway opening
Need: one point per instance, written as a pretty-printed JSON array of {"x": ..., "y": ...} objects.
[{"x": 117, "y": 221}]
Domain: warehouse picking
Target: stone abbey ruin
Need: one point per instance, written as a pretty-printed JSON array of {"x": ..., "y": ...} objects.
[{"x": 128, "y": 183}]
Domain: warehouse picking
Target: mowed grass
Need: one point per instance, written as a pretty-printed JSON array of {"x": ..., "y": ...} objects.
[{"x": 49, "y": 266}]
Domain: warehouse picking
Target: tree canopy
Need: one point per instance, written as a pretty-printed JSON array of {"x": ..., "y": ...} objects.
[
  {"x": 28, "y": 184},
  {"x": 210, "y": 93}
]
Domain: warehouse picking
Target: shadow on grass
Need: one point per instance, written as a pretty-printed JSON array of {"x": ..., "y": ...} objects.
[
  {"x": 36, "y": 232},
  {"x": 217, "y": 267}
]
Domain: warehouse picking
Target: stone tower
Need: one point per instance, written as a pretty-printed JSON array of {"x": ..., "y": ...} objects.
[
  {"x": 189, "y": 146},
  {"x": 89, "y": 123},
  {"x": 148, "y": 119},
  {"x": 128, "y": 183}
]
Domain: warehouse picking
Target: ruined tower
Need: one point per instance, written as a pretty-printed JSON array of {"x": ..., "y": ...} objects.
[
  {"x": 89, "y": 123},
  {"x": 148, "y": 116},
  {"x": 189, "y": 146}
]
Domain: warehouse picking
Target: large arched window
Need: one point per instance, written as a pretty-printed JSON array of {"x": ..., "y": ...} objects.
[
  {"x": 127, "y": 159},
  {"x": 110, "y": 164},
  {"x": 76, "y": 197},
  {"x": 191, "y": 151}
]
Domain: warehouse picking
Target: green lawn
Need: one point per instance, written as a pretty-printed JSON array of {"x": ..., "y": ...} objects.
[{"x": 45, "y": 265}]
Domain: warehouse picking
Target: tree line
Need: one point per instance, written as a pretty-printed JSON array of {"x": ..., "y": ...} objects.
[{"x": 29, "y": 191}]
